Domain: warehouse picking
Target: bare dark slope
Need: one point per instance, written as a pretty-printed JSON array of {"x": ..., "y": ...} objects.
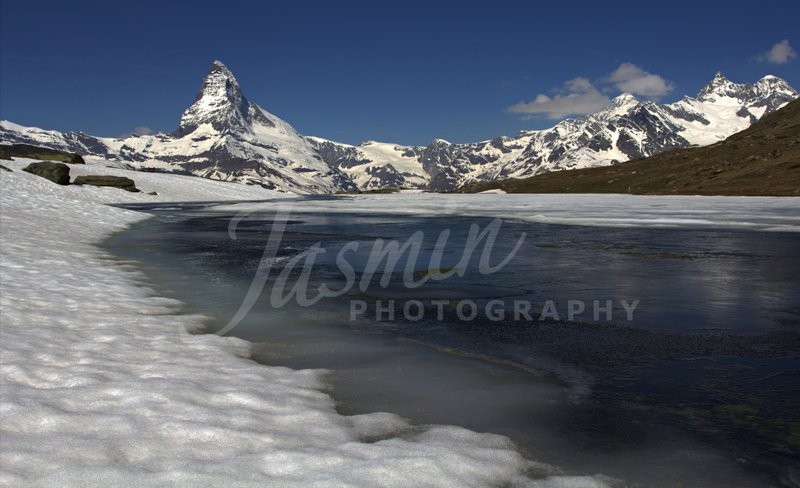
[{"x": 761, "y": 160}]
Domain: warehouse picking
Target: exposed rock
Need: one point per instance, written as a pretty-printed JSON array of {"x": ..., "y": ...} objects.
[
  {"x": 4, "y": 168},
  {"x": 55, "y": 172},
  {"x": 153, "y": 193},
  {"x": 120, "y": 182},
  {"x": 37, "y": 152}
]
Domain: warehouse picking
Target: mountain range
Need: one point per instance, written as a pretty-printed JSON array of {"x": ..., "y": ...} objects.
[
  {"x": 224, "y": 136},
  {"x": 762, "y": 160}
]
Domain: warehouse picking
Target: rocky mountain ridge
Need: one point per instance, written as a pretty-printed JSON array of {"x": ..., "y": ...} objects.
[{"x": 224, "y": 136}]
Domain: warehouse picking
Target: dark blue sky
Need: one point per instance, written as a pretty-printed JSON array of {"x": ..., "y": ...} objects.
[{"x": 405, "y": 72}]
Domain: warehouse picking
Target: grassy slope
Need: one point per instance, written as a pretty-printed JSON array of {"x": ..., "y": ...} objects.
[{"x": 761, "y": 160}]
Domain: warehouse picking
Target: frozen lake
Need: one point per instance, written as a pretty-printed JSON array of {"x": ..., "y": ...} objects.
[{"x": 652, "y": 339}]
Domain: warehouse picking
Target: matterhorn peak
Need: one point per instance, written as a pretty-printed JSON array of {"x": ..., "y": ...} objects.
[
  {"x": 219, "y": 64},
  {"x": 219, "y": 103},
  {"x": 220, "y": 83}
]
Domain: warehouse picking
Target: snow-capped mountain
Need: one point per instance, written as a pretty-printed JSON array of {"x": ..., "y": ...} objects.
[
  {"x": 221, "y": 136},
  {"x": 627, "y": 129},
  {"x": 224, "y": 136}
]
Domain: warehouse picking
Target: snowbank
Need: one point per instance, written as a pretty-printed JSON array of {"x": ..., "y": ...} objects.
[{"x": 102, "y": 386}]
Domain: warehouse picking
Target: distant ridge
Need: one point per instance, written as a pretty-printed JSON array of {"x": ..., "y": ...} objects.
[
  {"x": 627, "y": 129},
  {"x": 761, "y": 160}
]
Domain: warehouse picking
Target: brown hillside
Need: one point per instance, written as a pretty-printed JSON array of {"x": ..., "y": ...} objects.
[{"x": 761, "y": 160}]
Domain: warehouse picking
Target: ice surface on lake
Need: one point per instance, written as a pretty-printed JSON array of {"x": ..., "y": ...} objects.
[
  {"x": 778, "y": 214},
  {"x": 102, "y": 386}
]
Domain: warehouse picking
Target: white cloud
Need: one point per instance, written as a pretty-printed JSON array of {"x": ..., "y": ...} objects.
[
  {"x": 781, "y": 53},
  {"x": 579, "y": 97},
  {"x": 629, "y": 78},
  {"x": 139, "y": 131}
]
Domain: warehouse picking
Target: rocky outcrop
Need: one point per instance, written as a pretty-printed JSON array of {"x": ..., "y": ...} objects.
[
  {"x": 38, "y": 152},
  {"x": 55, "y": 172},
  {"x": 120, "y": 182}
]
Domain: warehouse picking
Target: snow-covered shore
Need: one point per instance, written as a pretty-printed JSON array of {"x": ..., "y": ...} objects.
[{"x": 102, "y": 386}]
